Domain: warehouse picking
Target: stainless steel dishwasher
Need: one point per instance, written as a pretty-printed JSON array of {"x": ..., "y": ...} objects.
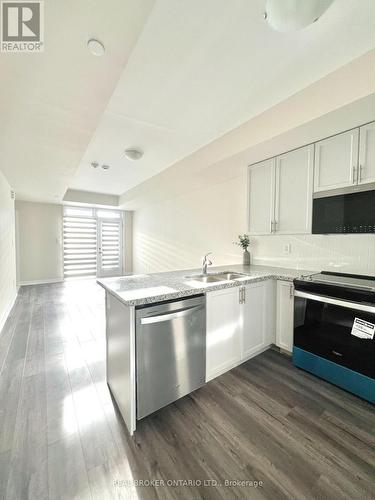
[{"x": 171, "y": 352}]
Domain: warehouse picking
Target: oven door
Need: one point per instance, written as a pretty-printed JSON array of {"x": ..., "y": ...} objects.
[{"x": 324, "y": 326}]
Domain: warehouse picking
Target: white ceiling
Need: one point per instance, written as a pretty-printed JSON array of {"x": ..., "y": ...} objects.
[
  {"x": 51, "y": 103},
  {"x": 201, "y": 68},
  {"x": 198, "y": 70}
]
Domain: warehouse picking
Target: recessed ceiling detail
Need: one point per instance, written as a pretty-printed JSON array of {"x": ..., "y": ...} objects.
[
  {"x": 52, "y": 102},
  {"x": 175, "y": 76},
  {"x": 201, "y": 69}
]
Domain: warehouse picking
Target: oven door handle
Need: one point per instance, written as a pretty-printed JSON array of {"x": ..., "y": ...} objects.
[{"x": 336, "y": 302}]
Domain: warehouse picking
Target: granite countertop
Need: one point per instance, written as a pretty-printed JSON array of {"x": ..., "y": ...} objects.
[{"x": 140, "y": 289}]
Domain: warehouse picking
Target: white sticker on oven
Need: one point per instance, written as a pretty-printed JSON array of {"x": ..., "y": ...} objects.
[{"x": 363, "y": 329}]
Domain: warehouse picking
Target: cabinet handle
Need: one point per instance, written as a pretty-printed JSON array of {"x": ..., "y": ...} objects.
[
  {"x": 271, "y": 226},
  {"x": 355, "y": 175},
  {"x": 240, "y": 295},
  {"x": 291, "y": 291},
  {"x": 244, "y": 295},
  {"x": 275, "y": 226},
  {"x": 360, "y": 173}
]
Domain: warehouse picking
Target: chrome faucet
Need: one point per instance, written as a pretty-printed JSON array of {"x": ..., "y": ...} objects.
[{"x": 206, "y": 262}]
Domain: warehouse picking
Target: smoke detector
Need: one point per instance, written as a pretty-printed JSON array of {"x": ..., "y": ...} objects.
[{"x": 133, "y": 154}]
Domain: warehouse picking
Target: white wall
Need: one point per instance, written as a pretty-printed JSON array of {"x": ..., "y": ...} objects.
[
  {"x": 176, "y": 233},
  {"x": 8, "y": 289},
  {"x": 39, "y": 242},
  {"x": 343, "y": 253},
  {"x": 199, "y": 204},
  {"x": 40, "y": 250}
]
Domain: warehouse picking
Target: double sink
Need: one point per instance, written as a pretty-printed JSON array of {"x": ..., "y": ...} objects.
[{"x": 215, "y": 277}]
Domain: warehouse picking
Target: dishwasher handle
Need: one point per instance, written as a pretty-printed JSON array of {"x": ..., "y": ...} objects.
[{"x": 168, "y": 316}]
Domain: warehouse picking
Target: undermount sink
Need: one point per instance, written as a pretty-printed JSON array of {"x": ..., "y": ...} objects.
[
  {"x": 228, "y": 275},
  {"x": 205, "y": 278},
  {"x": 214, "y": 277}
]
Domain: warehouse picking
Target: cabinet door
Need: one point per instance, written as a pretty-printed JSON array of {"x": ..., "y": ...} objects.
[
  {"x": 336, "y": 160},
  {"x": 366, "y": 171},
  {"x": 253, "y": 314},
  {"x": 284, "y": 315},
  {"x": 223, "y": 350},
  {"x": 294, "y": 190},
  {"x": 261, "y": 186}
]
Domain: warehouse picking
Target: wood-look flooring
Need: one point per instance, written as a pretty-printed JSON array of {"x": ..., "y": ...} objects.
[{"x": 266, "y": 421}]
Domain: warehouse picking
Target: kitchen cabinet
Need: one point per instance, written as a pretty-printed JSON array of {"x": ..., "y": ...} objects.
[
  {"x": 261, "y": 179},
  {"x": 366, "y": 169},
  {"x": 284, "y": 315},
  {"x": 336, "y": 161},
  {"x": 280, "y": 193},
  {"x": 257, "y": 317},
  {"x": 240, "y": 324},
  {"x": 293, "y": 191},
  {"x": 223, "y": 340}
]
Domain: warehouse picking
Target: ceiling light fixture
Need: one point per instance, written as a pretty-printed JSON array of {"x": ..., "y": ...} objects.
[
  {"x": 133, "y": 154},
  {"x": 292, "y": 15},
  {"x": 94, "y": 164},
  {"x": 105, "y": 167},
  {"x": 96, "y": 47}
]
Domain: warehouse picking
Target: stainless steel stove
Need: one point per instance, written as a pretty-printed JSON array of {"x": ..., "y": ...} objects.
[
  {"x": 351, "y": 281},
  {"x": 334, "y": 329}
]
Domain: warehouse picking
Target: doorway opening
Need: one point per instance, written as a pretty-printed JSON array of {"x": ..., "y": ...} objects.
[{"x": 92, "y": 240}]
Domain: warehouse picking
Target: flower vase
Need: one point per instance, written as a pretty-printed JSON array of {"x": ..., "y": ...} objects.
[{"x": 246, "y": 258}]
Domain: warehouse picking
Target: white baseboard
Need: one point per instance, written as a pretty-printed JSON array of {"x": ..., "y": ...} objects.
[
  {"x": 41, "y": 282},
  {"x": 5, "y": 314}
]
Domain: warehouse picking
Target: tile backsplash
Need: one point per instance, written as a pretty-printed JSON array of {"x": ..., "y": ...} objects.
[{"x": 342, "y": 253}]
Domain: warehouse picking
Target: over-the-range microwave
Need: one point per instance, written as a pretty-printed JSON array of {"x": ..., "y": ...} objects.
[{"x": 344, "y": 213}]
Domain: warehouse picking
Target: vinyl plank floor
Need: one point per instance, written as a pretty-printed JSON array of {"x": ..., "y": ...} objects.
[{"x": 61, "y": 437}]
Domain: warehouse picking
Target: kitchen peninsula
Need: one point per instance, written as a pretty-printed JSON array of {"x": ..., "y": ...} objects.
[{"x": 237, "y": 305}]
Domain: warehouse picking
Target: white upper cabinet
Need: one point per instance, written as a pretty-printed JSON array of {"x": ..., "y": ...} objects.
[
  {"x": 336, "y": 161},
  {"x": 366, "y": 172},
  {"x": 294, "y": 188},
  {"x": 261, "y": 178},
  {"x": 280, "y": 193}
]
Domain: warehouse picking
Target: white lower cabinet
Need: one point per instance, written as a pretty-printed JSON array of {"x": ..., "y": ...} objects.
[
  {"x": 240, "y": 323},
  {"x": 257, "y": 318},
  {"x": 284, "y": 315},
  {"x": 223, "y": 341}
]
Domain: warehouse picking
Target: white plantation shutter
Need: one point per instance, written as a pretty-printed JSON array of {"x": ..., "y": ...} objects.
[
  {"x": 80, "y": 247},
  {"x": 110, "y": 246}
]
